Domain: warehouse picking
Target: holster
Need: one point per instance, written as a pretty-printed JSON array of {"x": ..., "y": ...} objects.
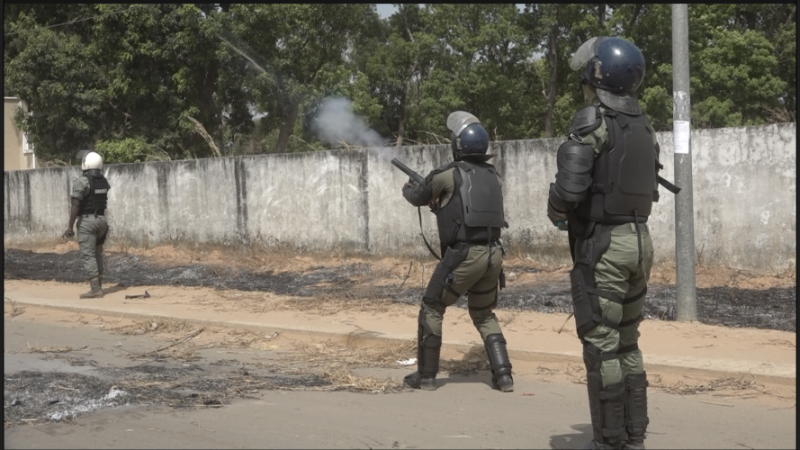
[
  {"x": 585, "y": 301},
  {"x": 453, "y": 257}
]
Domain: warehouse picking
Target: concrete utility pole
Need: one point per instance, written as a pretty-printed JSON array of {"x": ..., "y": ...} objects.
[{"x": 685, "y": 289}]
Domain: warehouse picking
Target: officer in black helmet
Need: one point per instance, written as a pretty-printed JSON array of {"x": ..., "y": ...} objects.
[
  {"x": 603, "y": 193},
  {"x": 467, "y": 198}
]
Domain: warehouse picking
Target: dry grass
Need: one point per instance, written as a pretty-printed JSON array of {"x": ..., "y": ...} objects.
[
  {"x": 331, "y": 354},
  {"x": 180, "y": 349},
  {"x": 474, "y": 360},
  {"x": 743, "y": 383},
  {"x": 15, "y": 311},
  {"x": 154, "y": 326},
  {"x": 341, "y": 378},
  {"x": 65, "y": 349}
]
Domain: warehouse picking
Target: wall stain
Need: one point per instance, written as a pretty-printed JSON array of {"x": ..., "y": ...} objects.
[
  {"x": 363, "y": 187},
  {"x": 240, "y": 174},
  {"x": 162, "y": 174},
  {"x": 27, "y": 181}
]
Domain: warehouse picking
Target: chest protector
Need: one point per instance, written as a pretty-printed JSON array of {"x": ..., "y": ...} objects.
[
  {"x": 475, "y": 212},
  {"x": 624, "y": 176},
  {"x": 96, "y": 200}
]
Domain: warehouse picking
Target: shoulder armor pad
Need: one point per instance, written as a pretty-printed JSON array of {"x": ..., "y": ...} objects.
[
  {"x": 586, "y": 120},
  {"x": 574, "y": 177},
  {"x": 575, "y": 157}
]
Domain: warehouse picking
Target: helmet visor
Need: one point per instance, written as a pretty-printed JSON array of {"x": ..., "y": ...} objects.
[
  {"x": 584, "y": 54},
  {"x": 460, "y": 120}
]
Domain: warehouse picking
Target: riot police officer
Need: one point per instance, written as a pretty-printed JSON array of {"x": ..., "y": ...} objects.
[
  {"x": 466, "y": 196},
  {"x": 603, "y": 194},
  {"x": 89, "y": 200}
]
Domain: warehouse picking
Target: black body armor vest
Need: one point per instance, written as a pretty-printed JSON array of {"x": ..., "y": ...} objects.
[
  {"x": 624, "y": 173},
  {"x": 475, "y": 212},
  {"x": 96, "y": 200}
]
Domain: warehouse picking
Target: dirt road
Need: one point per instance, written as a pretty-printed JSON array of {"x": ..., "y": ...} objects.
[
  {"x": 174, "y": 399},
  {"x": 319, "y": 365}
]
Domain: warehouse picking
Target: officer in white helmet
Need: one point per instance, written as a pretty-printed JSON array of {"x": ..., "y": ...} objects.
[{"x": 89, "y": 199}]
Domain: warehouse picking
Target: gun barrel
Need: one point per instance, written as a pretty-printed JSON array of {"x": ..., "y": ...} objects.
[{"x": 414, "y": 175}]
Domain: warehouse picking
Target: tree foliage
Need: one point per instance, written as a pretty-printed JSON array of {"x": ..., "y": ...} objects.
[{"x": 151, "y": 81}]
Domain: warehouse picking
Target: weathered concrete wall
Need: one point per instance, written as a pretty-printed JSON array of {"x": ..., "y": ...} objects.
[{"x": 744, "y": 200}]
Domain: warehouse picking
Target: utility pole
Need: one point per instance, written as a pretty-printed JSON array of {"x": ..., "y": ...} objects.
[{"x": 685, "y": 289}]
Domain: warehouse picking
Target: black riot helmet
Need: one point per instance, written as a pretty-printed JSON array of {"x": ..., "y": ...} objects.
[
  {"x": 615, "y": 67},
  {"x": 468, "y": 140}
]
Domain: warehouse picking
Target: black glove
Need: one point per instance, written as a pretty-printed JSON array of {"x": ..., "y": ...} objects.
[{"x": 558, "y": 218}]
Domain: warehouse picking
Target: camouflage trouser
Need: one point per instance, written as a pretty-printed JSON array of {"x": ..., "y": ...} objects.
[
  {"x": 618, "y": 272},
  {"x": 92, "y": 232},
  {"x": 472, "y": 276}
]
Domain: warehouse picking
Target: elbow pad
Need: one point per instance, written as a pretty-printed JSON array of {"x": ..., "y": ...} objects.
[{"x": 558, "y": 203}]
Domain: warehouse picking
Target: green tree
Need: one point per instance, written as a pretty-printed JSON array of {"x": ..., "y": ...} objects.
[
  {"x": 295, "y": 44},
  {"x": 150, "y": 71},
  {"x": 56, "y": 74}
]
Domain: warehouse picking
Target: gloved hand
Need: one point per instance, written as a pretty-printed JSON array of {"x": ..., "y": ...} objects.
[
  {"x": 69, "y": 234},
  {"x": 558, "y": 218}
]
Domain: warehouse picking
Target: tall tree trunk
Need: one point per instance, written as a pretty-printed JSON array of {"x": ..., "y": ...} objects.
[
  {"x": 288, "y": 125},
  {"x": 601, "y": 15},
  {"x": 551, "y": 95},
  {"x": 401, "y": 127}
]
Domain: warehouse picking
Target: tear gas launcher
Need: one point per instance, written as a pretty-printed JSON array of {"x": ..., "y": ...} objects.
[{"x": 407, "y": 170}]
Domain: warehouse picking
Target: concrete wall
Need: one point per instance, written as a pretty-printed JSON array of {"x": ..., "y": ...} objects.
[{"x": 350, "y": 201}]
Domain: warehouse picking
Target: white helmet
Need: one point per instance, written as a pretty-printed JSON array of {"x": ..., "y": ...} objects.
[{"x": 91, "y": 161}]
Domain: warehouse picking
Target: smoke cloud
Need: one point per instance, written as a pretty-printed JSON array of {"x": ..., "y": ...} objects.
[{"x": 336, "y": 124}]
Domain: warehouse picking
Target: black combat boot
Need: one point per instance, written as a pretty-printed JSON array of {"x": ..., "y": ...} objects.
[
  {"x": 500, "y": 363},
  {"x": 428, "y": 352},
  {"x": 636, "y": 419},
  {"x": 96, "y": 291}
]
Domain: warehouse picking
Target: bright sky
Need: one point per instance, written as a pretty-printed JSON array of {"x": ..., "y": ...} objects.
[{"x": 386, "y": 10}]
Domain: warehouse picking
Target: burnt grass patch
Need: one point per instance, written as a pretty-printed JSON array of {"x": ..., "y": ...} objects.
[
  {"x": 773, "y": 308},
  {"x": 38, "y": 397}
]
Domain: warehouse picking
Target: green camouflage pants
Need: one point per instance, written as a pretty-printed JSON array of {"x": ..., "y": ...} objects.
[
  {"x": 92, "y": 232},
  {"x": 618, "y": 272},
  {"x": 480, "y": 282}
]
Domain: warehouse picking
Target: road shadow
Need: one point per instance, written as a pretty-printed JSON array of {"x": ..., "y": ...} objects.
[
  {"x": 119, "y": 287},
  {"x": 573, "y": 440},
  {"x": 481, "y": 378}
]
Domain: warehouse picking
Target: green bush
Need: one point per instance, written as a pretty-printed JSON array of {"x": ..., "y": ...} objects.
[{"x": 129, "y": 150}]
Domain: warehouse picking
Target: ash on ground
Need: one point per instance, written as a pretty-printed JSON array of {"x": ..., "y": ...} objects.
[
  {"x": 773, "y": 308},
  {"x": 38, "y": 397}
]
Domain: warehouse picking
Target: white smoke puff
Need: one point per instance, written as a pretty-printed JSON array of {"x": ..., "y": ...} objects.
[{"x": 337, "y": 123}]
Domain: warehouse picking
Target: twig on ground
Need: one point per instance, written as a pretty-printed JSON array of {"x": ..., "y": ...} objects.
[
  {"x": 717, "y": 404},
  {"x": 565, "y": 323}
]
